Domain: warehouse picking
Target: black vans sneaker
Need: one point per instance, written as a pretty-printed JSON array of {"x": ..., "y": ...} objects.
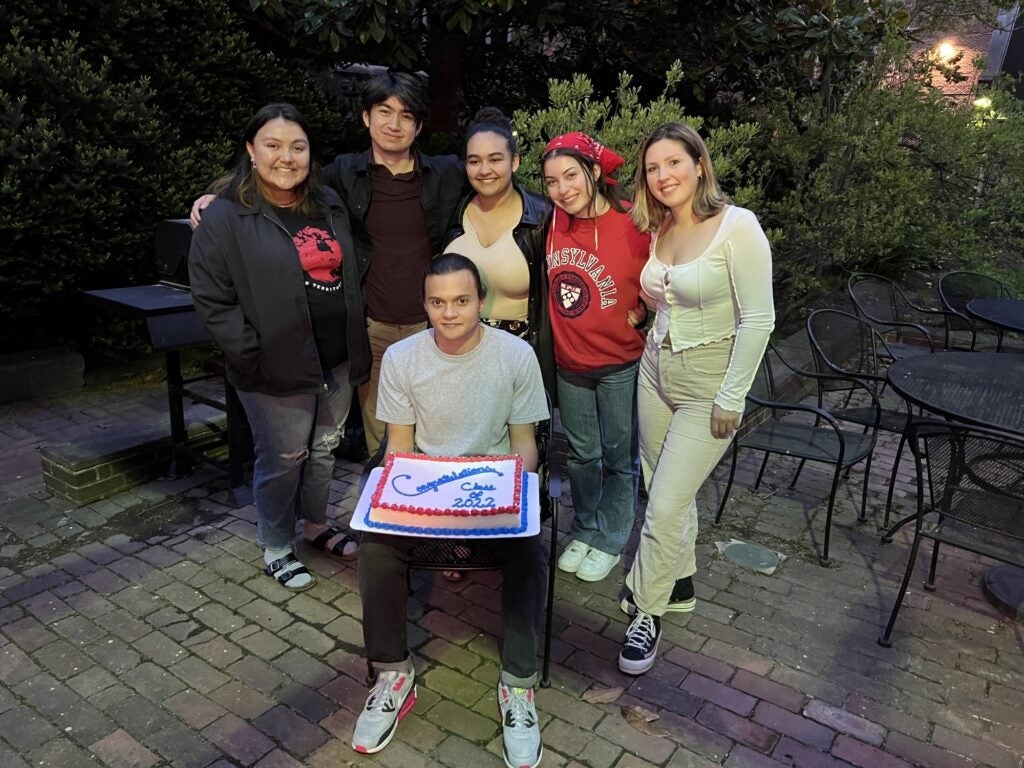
[
  {"x": 641, "y": 644},
  {"x": 681, "y": 600}
]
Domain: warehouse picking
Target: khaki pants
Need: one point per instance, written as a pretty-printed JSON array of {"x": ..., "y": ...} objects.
[
  {"x": 382, "y": 336},
  {"x": 675, "y": 393}
]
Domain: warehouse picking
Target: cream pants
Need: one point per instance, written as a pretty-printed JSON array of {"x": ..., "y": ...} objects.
[{"x": 675, "y": 393}]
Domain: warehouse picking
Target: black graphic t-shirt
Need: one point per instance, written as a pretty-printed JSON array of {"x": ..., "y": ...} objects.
[{"x": 320, "y": 255}]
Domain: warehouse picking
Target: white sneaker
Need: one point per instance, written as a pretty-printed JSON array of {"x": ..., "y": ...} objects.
[
  {"x": 520, "y": 733},
  {"x": 573, "y": 555},
  {"x": 596, "y": 565},
  {"x": 390, "y": 700}
]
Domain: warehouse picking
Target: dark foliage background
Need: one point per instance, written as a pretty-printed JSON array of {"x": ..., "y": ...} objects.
[{"x": 114, "y": 115}]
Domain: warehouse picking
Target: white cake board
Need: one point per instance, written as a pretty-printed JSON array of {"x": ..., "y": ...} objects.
[{"x": 358, "y": 521}]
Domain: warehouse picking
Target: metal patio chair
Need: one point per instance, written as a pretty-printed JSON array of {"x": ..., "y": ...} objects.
[
  {"x": 844, "y": 344},
  {"x": 976, "y": 478},
  {"x": 787, "y": 428},
  {"x": 885, "y": 305},
  {"x": 958, "y": 288}
]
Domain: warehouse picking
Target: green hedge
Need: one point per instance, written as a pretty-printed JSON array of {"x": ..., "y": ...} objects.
[{"x": 115, "y": 116}]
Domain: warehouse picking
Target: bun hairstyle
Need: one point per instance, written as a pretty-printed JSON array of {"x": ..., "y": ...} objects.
[{"x": 493, "y": 120}]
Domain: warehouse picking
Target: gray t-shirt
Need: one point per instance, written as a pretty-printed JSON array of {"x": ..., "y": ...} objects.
[{"x": 461, "y": 405}]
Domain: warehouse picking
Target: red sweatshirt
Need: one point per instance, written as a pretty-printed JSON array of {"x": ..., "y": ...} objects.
[{"x": 594, "y": 280}]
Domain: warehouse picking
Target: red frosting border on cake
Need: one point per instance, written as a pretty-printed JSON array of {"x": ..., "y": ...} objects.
[{"x": 434, "y": 512}]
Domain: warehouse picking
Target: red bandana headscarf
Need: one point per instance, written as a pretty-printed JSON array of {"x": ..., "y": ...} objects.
[{"x": 594, "y": 151}]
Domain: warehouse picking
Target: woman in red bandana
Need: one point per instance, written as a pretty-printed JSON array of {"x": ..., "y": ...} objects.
[{"x": 594, "y": 258}]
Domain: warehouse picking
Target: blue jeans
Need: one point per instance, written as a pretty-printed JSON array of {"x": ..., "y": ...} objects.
[
  {"x": 294, "y": 436},
  {"x": 598, "y": 413}
]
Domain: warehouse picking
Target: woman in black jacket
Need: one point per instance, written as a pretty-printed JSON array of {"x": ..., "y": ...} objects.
[
  {"x": 501, "y": 228},
  {"x": 266, "y": 268}
]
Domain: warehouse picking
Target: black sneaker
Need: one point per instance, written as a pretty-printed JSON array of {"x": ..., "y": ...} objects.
[
  {"x": 681, "y": 600},
  {"x": 641, "y": 645}
]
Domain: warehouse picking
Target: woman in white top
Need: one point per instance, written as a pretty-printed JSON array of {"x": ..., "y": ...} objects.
[{"x": 709, "y": 277}]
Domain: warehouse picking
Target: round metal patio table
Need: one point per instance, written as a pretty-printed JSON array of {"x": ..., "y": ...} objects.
[
  {"x": 1007, "y": 314},
  {"x": 1003, "y": 314},
  {"x": 981, "y": 388}
]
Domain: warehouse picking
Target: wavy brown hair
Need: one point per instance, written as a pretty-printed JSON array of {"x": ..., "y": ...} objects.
[
  {"x": 708, "y": 199},
  {"x": 242, "y": 183}
]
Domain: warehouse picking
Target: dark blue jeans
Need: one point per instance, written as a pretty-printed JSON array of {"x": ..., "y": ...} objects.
[
  {"x": 294, "y": 436},
  {"x": 598, "y": 413}
]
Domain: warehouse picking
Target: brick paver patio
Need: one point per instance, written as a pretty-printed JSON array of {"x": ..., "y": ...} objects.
[{"x": 139, "y": 631}]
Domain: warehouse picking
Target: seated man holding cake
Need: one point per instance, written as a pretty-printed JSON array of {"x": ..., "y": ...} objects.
[{"x": 457, "y": 389}]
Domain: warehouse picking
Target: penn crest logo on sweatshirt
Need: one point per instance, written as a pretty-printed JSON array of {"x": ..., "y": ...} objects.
[{"x": 573, "y": 292}]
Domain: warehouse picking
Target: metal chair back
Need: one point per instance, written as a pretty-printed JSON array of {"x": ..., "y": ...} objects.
[
  {"x": 976, "y": 480},
  {"x": 886, "y": 305},
  {"x": 846, "y": 344},
  {"x": 959, "y": 287}
]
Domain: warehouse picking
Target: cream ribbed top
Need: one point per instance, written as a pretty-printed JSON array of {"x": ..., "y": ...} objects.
[{"x": 724, "y": 292}]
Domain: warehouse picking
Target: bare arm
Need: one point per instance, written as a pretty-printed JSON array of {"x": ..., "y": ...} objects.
[
  {"x": 637, "y": 315},
  {"x": 401, "y": 438},
  {"x": 648, "y": 300},
  {"x": 524, "y": 442}
]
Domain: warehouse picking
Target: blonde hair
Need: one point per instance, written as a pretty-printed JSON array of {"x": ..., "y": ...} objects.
[{"x": 648, "y": 213}]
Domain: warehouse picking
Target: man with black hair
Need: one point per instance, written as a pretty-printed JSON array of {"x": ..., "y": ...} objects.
[
  {"x": 401, "y": 203},
  {"x": 459, "y": 389}
]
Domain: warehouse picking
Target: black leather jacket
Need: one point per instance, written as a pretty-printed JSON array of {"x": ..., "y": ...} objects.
[
  {"x": 530, "y": 236},
  {"x": 249, "y": 290},
  {"x": 444, "y": 181}
]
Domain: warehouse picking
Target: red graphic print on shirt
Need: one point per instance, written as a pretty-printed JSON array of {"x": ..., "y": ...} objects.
[{"x": 320, "y": 255}]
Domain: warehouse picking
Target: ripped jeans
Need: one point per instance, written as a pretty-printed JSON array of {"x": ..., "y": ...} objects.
[{"x": 294, "y": 436}]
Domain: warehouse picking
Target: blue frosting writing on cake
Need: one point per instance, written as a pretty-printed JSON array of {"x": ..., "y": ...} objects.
[
  {"x": 433, "y": 531},
  {"x": 436, "y": 483}
]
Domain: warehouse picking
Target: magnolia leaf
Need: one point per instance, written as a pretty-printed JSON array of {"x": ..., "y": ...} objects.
[
  {"x": 602, "y": 695},
  {"x": 643, "y": 720}
]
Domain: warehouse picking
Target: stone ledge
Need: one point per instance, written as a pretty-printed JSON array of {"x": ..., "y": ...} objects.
[{"x": 107, "y": 462}]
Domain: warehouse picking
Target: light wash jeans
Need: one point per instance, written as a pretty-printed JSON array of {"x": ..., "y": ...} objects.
[
  {"x": 294, "y": 436},
  {"x": 598, "y": 413},
  {"x": 674, "y": 398}
]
